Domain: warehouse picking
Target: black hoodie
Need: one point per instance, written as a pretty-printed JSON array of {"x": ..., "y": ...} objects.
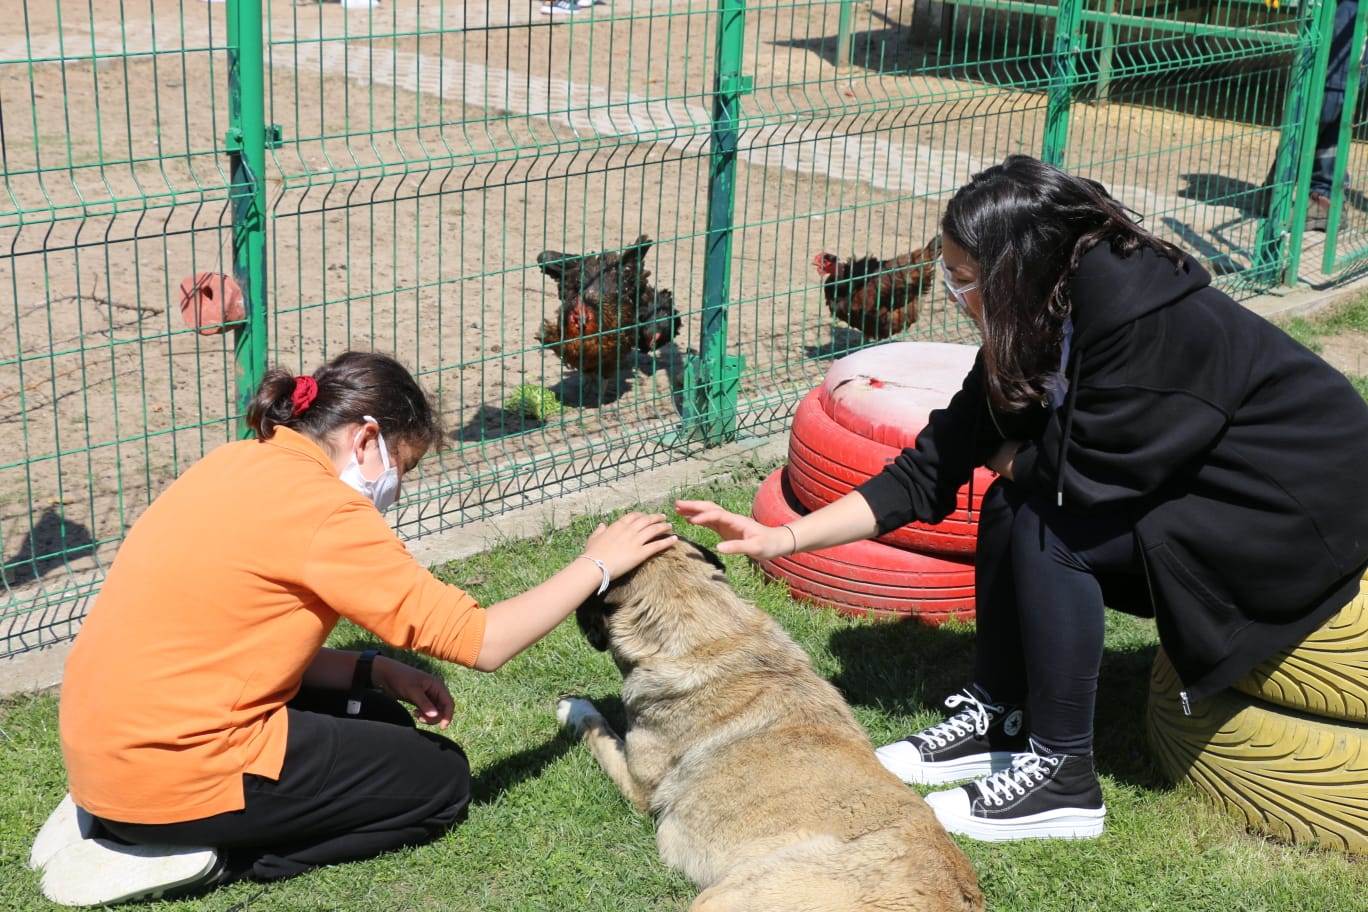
[{"x": 1238, "y": 454}]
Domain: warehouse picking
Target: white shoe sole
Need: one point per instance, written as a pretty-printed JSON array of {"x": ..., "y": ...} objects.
[
  {"x": 66, "y": 825},
  {"x": 1065, "y": 823},
  {"x": 97, "y": 872},
  {"x": 908, "y": 766}
]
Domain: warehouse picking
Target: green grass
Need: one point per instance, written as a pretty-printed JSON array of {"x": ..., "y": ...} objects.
[
  {"x": 1311, "y": 331},
  {"x": 1346, "y": 318},
  {"x": 547, "y": 831}
]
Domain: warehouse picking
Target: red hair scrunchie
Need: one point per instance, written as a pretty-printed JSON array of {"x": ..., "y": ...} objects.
[{"x": 305, "y": 392}]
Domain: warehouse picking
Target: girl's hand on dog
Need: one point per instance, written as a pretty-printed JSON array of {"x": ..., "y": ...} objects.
[
  {"x": 740, "y": 534},
  {"x": 428, "y": 694},
  {"x": 630, "y": 541}
]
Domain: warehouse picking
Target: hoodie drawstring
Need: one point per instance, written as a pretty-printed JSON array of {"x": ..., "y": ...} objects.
[
  {"x": 1068, "y": 426},
  {"x": 973, "y": 439}
]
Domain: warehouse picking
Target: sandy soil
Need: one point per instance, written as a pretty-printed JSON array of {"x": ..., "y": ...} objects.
[
  {"x": 422, "y": 171},
  {"x": 1347, "y": 352}
]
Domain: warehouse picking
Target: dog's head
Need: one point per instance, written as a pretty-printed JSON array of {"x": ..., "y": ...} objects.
[{"x": 658, "y": 584}]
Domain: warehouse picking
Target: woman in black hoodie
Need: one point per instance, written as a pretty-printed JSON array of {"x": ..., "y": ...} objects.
[{"x": 1160, "y": 448}]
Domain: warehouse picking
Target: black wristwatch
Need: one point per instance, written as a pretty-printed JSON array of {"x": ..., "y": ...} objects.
[{"x": 361, "y": 680}]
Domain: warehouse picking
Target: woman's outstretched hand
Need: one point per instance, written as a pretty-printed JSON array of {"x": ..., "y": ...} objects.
[
  {"x": 740, "y": 534},
  {"x": 628, "y": 542}
]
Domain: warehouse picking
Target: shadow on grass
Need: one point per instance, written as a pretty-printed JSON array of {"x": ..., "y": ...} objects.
[
  {"x": 905, "y": 667},
  {"x": 527, "y": 764},
  {"x": 515, "y": 768}
]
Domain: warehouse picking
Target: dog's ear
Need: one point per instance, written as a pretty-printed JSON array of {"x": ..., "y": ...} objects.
[
  {"x": 592, "y": 618},
  {"x": 711, "y": 556}
]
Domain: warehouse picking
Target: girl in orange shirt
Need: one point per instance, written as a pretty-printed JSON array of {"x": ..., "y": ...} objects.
[{"x": 207, "y": 733}]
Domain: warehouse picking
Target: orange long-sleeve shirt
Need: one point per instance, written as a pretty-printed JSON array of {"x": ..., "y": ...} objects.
[{"x": 221, "y": 595}]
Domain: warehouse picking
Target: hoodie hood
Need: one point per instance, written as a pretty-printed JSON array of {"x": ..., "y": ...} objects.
[{"x": 1108, "y": 290}]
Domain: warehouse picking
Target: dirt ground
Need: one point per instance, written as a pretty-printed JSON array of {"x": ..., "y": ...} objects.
[
  {"x": 430, "y": 152},
  {"x": 1347, "y": 352}
]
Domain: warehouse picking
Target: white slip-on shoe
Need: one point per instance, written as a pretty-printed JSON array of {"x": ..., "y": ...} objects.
[
  {"x": 96, "y": 872},
  {"x": 66, "y": 825}
]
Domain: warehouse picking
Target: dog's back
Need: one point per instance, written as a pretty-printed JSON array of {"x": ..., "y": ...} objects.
[{"x": 765, "y": 788}]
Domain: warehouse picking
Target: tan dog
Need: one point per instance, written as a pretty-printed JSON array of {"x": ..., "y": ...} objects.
[{"x": 765, "y": 789}]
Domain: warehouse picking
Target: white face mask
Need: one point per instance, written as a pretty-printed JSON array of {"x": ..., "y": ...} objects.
[{"x": 383, "y": 491}]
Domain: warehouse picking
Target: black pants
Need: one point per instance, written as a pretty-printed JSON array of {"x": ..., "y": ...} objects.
[
  {"x": 351, "y": 787},
  {"x": 1043, "y": 575}
]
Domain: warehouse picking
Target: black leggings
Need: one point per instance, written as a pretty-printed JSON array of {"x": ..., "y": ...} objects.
[
  {"x": 1043, "y": 575},
  {"x": 351, "y": 787}
]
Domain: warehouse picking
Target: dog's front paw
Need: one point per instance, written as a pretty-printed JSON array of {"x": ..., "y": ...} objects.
[{"x": 574, "y": 712}]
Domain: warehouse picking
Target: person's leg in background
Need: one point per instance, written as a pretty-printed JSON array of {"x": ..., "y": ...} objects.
[
  {"x": 1323, "y": 174},
  {"x": 1056, "y": 559},
  {"x": 987, "y": 725}
]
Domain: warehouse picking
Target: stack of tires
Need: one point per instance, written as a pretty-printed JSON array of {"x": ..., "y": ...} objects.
[
  {"x": 871, "y": 405},
  {"x": 1285, "y": 750}
]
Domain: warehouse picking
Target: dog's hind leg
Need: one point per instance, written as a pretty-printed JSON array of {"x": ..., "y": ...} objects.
[{"x": 582, "y": 718}]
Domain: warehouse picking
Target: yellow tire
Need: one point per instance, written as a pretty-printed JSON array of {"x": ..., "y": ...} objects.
[
  {"x": 1297, "y": 778},
  {"x": 1324, "y": 675}
]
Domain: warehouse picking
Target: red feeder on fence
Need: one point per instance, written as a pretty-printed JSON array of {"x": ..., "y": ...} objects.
[{"x": 210, "y": 302}]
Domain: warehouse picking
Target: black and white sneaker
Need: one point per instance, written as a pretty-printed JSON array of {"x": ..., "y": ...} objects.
[
  {"x": 980, "y": 739},
  {"x": 1043, "y": 795}
]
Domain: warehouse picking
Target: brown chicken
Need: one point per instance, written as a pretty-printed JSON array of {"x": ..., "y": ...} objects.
[
  {"x": 608, "y": 310},
  {"x": 878, "y": 297}
]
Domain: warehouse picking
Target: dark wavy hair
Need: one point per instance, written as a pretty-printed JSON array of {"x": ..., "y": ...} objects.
[
  {"x": 1027, "y": 224},
  {"x": 350, "y": 386}
]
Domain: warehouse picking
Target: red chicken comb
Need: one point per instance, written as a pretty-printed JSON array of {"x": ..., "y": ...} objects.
[{"x": 825, "y": 263}]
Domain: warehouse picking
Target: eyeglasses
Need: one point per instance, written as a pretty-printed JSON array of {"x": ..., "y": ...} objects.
[{"x": 957, "y": 292}]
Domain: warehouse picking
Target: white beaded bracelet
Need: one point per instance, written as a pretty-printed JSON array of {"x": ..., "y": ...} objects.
[{"x": 603, "y": 568}]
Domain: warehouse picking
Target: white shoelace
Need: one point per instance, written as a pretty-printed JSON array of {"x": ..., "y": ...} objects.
[
  {"x": 1026, "y": 770},
  {"x": 972, "y": 720}
]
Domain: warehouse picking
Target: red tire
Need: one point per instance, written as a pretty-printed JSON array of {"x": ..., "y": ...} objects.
[
  {"x": 819, "y": 452},
  {"x": 865, "y": 578},
  {"x": 796, "y": 570},
  {"x": 828, "y": 461},
  {"x": 815, "y": 491},
  {"x": 949, "y": 538},
  {"x": 931, "y": 611},
  {"x": 886, "y": 393}
]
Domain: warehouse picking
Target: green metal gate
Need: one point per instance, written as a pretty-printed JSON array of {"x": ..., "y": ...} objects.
[
  {"x": 1346, "y": 232},
  {"x": 386, "y": 177}
]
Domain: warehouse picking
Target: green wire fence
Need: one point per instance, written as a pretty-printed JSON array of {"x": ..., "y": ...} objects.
[{"x": 387, "y": 178}]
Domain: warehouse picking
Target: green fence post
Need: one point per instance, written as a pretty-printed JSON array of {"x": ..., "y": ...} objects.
[
  {"x": 1330, "y": 261},
  {"x": 246, "y": 145},
  {"x": 712, "y": 378},
  {"x": 845, "y": 46},
  {"x": 1107, "y": 52},
  {"x": 1277, "y": 249},
  {"x": 1064, "y": 73}
]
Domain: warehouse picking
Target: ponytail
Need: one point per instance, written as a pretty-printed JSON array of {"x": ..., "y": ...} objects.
[{"x": 344, "y": 391}]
